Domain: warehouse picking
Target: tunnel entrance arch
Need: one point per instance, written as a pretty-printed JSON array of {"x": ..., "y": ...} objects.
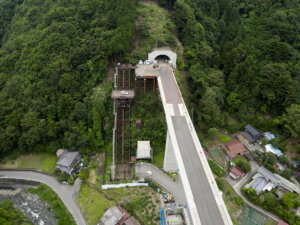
[
  {"x": 162, "y": 58},
  {"x": 163, "y": 54}
]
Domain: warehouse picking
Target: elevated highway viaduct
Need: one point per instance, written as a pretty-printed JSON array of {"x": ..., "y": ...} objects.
[{"x": 184, "y": 152}]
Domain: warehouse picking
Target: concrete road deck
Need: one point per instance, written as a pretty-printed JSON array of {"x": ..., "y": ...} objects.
[
  {"x": 202, "y": 193},
  {"x": 203, "y": 197}
]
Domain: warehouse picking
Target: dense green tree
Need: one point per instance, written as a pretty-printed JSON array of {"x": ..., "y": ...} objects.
[
  {"x": 291, "y": 200},
  {"x": 243, "y": 164},
  {"x": 291, "y": 120},
  {"x": 209, "y": 109},
  {"x": 52, "y": 55},
  {"x": 287, "y": 173}
]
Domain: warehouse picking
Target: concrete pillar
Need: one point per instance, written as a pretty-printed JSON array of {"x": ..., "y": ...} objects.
[{"x": 170, "y": 163}]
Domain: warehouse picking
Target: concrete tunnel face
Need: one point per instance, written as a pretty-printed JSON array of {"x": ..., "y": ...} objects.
[{"x": 162, "y": 58}]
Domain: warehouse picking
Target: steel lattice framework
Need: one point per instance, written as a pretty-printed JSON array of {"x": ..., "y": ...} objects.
[{"x": 122, "y": 101}]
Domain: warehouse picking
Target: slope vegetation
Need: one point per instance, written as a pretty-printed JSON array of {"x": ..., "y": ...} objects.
[{"x": 52, "y": 54}]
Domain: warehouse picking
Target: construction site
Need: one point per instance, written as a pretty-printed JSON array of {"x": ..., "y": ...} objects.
[{"x": 135, "y": 106}]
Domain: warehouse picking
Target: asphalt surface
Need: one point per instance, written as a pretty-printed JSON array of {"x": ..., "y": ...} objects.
[
  {"x": 66, "y": 193},
  {"x": 203, "y": 196},
  {"x": 172, "y": 93},
  {"x": 175, "y": 188}
]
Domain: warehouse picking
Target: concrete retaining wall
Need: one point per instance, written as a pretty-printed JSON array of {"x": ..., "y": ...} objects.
[{"x": 107, "y": 186}]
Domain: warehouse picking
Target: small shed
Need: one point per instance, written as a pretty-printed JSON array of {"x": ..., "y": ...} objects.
[
  {"x": 269, "y": 136},
  {"x": 272, "y": 149},
  {"x": 138, "y": 123},
  {"x": 59, "y": 152},
  {"x": 112, "y": 216},
  {"x": 236, "y": 173},
  {"x": 144, "y": 151}
]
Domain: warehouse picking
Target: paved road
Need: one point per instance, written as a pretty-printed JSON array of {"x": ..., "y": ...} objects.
[
  {"x": 175, "y": 188},
  {"x": 66, "y": 193},
  {"x": 202, "y": 193},
  {"x": 254, "y": 206},
  {"x": 237, "y": 186},
  {"x": 205, "y": 203}
]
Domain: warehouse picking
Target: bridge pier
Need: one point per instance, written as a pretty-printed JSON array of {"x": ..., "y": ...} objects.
[{"x": 170, "y": 163}]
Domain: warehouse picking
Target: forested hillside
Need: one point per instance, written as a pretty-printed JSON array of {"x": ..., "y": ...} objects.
[
  {"x": 242, "y": 58},
  {"x": 52, "y": 55}
]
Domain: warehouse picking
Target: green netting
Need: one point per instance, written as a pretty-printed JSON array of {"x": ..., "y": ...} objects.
[
  {"x": 251, "y": 216},
  {"x": 215, "y": 153}
]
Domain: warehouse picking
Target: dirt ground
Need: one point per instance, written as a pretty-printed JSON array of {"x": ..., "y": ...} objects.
[
  {"x": 100, "y": 158},
  {"x": 124, "y": 171},
  {"x": 293, "y": 145}
]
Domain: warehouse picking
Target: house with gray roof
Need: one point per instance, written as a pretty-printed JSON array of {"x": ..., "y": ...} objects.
[
  {"x": 268, "y": 175},
  {"x": 264, "y": 180},
  {"x": 251, "y": 134},
  {"x": 67, "y": 161}
]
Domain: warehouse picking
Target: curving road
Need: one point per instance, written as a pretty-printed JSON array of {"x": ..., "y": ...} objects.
[
  {"x": 66, "y": 193},
  {"x": 175, "y": 188}
]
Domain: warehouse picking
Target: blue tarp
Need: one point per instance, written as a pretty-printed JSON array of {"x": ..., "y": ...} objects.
[{"x": 269, "y": 136}]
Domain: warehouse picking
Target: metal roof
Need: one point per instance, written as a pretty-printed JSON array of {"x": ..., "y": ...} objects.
[
  {"x": 269, "y": 136},
  {"x": 67, "y": 158},
  {"x": 269, "y": 176},
  {"x": 112, "y": 216},
  {"x": 272, "y": 149},
  {"x": 143, "y": 150},
  {"x": 252, "y": 130},
  {"x": 259, "y": 184}
]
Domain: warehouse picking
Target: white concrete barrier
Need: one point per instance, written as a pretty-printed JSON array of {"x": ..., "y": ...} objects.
[{"x": 108, "y": 186}]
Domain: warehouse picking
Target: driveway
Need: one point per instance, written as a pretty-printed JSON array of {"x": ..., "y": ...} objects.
[
  {"x": 66, "y": 193},
  {"x": 238, "y": 185},
  {"x": 175, "y": 188}
]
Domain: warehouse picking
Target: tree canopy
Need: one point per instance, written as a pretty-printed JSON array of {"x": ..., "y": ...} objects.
[
  {"x": 52, "y": 56},
  {"x": 253, "y": 49}
]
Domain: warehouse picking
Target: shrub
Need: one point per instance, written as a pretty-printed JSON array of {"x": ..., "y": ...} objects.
[
  {"x": 243, "y": 164},
  {"x": 239, "y": 201},
  {"x": 83, "y": 175},
  {"x": 220, "y": 183},
  {"x": 287, "y": 173},
  {"x": 216, "y": 169},
  {"x": 224, "y": 138},
  {"x": 63, "y": 177},
  {"x": 264, "y": 141},
  {"x": 212, "y": 132},
  {"x": 283, "y": 160}
]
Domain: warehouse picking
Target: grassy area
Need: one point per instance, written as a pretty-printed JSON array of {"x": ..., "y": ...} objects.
[
  {"x": 49, "y": 196},
  {"x": 216, "y": 169},
  {"x": 144, "y": 208},
  {"x": 158, "y": 159},
  {"x": 224, "y": 138},
  {"x": 154, "y": 28},
  {"x": 233, "y": 202},
  {"x": 93, "y": 201},
  {"x": 44, "y": 162}
]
